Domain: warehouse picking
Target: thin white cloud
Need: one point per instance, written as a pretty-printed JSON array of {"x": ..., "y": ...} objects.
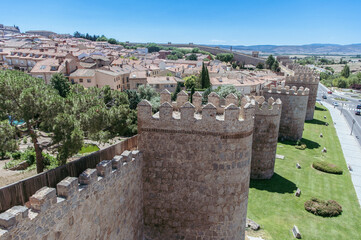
[{"x": 218, "y": 41}]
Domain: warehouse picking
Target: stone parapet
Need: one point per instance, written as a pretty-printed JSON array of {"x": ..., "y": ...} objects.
[{"x": 103, "y": 202}]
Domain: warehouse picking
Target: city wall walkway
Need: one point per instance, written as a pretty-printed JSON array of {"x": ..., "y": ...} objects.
[{"x": 350, "y": 147}]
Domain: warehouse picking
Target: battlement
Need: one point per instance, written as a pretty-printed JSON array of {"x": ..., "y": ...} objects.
[
  {"x": 187, "y": 118},
  {"x": 306, "y": 78},
  {"x": 270, "y": 107},
  {"x": 287, "y": 90},
  {"x": 70, "y": 191}
]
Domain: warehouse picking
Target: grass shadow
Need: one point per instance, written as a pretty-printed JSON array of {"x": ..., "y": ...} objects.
[
  {"x": 276, "y": 184},
  {"x": 320, "y": 109},
  {"x": 316, "y": 121},
  {"x": 309, "y": 143}
]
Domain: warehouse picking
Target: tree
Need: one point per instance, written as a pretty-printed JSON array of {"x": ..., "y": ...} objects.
[
  {"x": 28, "y": 99},
  {"x": 176, "y": 91},
  {"x": 190, "y": 82},
  {"x": 102, "y": 39},
  {"x": 77, "y": 34},
  {"x": 192, "y": 92},
  {"x": 259, "y": 66},
  {"x": 192, "y": 57},
  {"x": 172, "y": 57},
  {"x": 152, "y": 47},
  {"x": 112, "y": 41},
  {"x": 223, "y": 91},
  {"x": 195, "y": 50},
  {"x": 270, "y": 61},
  {"x": 59, "y": 82},
  {"x": 345, "y": 71},
  {"x": 133, "y": 98},
  {"x": 204, "y": 77},
  {"x": 7, "y": 138},
  {"x": 146, "y": 92},
  {"x": 98, "y": 114},
  {"x": 275, "y": 66},
  {"x": 225, "y": 57}
]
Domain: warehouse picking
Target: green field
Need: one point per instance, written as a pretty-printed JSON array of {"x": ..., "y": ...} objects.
[{"x": 272, "y": 203}]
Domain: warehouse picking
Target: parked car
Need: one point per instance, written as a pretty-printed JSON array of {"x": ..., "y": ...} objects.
[
  {"x": 358, "y": 106},
  {"x": 358, "y": 112},
  {"x": 335, "y": 104},
  {"x": 329, "y": 92},
  {"x": 324, "y": 97},
  {"x": 359, "y": 100}
]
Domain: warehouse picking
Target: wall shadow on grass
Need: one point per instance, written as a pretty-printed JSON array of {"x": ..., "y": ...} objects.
[
  {"x": 309, "y": 143},
  {"x": 320, "y": 109},
  {"x": 277, "y": 184},
  {"x": 316, "y": 121}
]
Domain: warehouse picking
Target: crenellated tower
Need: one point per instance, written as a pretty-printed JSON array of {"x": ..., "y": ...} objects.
[
  {"x": 196, "y": 170},
  {"x": 265, "y": 136},
  {"x": 294, "y": 107},
  {"x": 306, "y": 79}
]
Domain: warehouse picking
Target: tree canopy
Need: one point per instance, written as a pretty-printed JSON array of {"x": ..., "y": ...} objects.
[
  {"x": 98, "y": 114},
  {"x": 225, "y": 57},
  {"x": 59, "y": 82}
]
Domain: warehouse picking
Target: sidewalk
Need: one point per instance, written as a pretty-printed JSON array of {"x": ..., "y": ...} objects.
[{"x": 350, "y": 147}]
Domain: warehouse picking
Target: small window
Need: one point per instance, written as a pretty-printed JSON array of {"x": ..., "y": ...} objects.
[
  {"x": 80, "y": 80},
  {"x": 42, "y": 67},
  {"x": 89, "y": 80},
  {"x": 127, "y": 79}
]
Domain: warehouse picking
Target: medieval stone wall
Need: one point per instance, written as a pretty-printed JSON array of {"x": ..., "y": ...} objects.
[
  {"x": 196, "y": 170},
  {"x": 307, "y": 80},
  {"x": 104, "y": 203},
  {"x": 265, "y": 136},
  {"x": 294, "y": 107}
]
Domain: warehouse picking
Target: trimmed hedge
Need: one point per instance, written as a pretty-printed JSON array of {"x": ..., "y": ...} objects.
[
  {"x": 322, "y": 208},
  {"x": 327, "y": 167}
]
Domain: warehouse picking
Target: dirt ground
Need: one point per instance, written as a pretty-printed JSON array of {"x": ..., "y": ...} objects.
[
  {"x": 7, "y": 176},
  {"x": 354, "y": 67}
]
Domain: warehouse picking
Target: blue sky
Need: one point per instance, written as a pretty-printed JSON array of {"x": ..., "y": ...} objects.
[{"x": 250, "y": 22}]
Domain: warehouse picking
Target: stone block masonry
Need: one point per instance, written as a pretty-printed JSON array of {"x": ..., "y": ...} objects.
[
  {"x": 307, "y": 80},
  {"x": 294, "y": 107},
  {"x": 196, "y": 170},
  {"x": 103, "y": 203},
  {"x": 265, "y": 136}
]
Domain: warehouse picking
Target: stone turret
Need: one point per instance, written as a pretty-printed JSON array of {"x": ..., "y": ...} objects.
[
  {"x": 265, "y": 135},
  {"x": 196, "y": 170},
  {"x": 294, "y": 107},
  {"x": 308, "y": 80}
]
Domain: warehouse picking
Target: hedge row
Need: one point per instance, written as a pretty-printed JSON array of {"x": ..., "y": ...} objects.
[
  {"x": 327, "y": 167},
  {"x": 322, "y": 208}
]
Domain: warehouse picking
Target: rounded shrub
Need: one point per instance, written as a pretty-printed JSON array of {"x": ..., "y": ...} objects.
[
  {"x": 327, "y": 167},
  {"x": 322, "y": 208}
]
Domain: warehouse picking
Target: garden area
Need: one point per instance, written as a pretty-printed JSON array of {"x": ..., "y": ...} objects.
[{"x": 273, "y": 204}]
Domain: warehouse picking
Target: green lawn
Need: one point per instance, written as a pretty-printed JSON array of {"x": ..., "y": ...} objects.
[
  {"x": 272, "y": 203},
  {"x": 88, "y": 148}
]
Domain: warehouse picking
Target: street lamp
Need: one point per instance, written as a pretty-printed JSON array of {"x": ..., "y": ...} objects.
[{"x": 353, "y": 122}]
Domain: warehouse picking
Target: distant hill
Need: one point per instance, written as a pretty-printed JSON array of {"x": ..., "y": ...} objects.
[{"x": 316, "y": 48}]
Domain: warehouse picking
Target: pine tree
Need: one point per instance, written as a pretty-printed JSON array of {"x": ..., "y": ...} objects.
[
  {"x": 192, "y": 92},
  {"x": 207, "y": 81},
  {"x": 345, "y": 71}
]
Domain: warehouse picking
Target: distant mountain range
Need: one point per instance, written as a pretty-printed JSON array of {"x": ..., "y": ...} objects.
[{"x": 317, "y": 48}]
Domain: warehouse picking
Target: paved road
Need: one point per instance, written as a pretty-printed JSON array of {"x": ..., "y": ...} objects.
[{"x": 347, "y": 108}]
